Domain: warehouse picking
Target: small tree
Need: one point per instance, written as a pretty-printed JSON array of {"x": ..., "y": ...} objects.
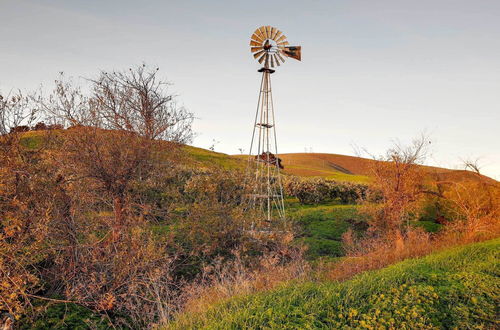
[
  {"x": 138, "y": 101},
  {"x": 15, "y": 110},
  {"x": 117, "y": 128},
  {"x": 400, "y": 180},
  {"x": 67, "y": 105},
  {"x": 474, "y": 205}
]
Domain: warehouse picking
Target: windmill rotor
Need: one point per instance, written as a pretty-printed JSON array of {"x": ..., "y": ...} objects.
[{"x": 269, "y": 46}]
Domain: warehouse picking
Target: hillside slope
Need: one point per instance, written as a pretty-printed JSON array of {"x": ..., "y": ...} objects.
[
  {"x": 456, "y": 288},
  {"x": 332, "y": 166},
  {"x": 350, "y": 168}
]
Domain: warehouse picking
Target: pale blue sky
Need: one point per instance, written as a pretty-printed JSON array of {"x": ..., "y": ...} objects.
[{"x": 372, "y": 71}]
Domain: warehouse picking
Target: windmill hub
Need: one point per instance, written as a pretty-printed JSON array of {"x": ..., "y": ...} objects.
[{"x": 269, "y": 44}]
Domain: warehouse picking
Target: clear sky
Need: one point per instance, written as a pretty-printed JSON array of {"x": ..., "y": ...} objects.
[{"x": 372, "y": 71}]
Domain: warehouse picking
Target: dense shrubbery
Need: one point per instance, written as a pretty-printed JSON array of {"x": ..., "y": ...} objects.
[
  {"x": 107, "y": 215},
  {"x": 59, "y": 234},
  {"x": 319, "y": 190}
]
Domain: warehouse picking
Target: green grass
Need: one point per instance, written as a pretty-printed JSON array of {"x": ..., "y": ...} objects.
[
  {"x": 32, "y": 140},
  {"x": 211, "y": 158},
  {"x": 320, "y": 227},
  {"x": 349, "y": 178},
  {"x": 456, "y": 288},
  {"x": 62, "y": 316},
  {"x": 428, "y": 226}
]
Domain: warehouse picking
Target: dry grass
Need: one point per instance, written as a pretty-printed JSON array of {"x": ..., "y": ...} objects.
[
  {"x": 224, "y": 283},
  {"x": 221, "y": 282},
  {"x": 329, "y": 162},
  {"x": 354, "y": 168},
  {"x": 377, "y": 253}
]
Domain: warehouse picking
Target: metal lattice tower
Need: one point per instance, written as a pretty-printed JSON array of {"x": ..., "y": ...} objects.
[{"x": 269, "y": 47}]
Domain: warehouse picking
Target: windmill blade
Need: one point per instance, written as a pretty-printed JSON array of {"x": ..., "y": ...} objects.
[
  {"x": 268, "y": 31},
  {"x": 256, "y": 49},
  {"x": 258, "y": 53},
  {"x": 283, "y": 43},
  {"x": 276, "y": 60},
  {"x": 255, "y": 43},
  {"x": 261, "y": 59},
  {"x": 262, "y": 32},
  {"x": 278, "y": 34},
  {"x": 282, "y": 38},
  {"x": 272, "y": 32},
  {"x": 272, "y": 61},
  {"x": 294, "y": 52},
  {"x": 279, "y": 56},
  {"x": 256, "y": 37},
  {"x": 266, "y": 64}
]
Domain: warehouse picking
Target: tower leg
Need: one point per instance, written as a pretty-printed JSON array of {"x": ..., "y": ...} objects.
[{"x": 263, "y": 161}]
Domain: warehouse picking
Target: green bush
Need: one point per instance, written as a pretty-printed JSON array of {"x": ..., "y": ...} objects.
[
  {"x": 321, "y": 247},
  {"x": 428, "y": 226},
  {"x": 320, "y": 190}
]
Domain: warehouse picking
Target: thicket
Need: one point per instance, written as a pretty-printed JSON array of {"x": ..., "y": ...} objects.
[
  {"x": 320, "y": 190},
  {"x": 107, "y": 215},
  {"x": 470, "y": 209}
]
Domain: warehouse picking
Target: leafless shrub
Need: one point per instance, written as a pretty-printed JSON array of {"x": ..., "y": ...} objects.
[
  {"x": 220, "y": 281},
  {"x": 16, "y": 109},
  {"x": 138, "y": 101},
  {"x": 474, "y": 205},
  {"x": 400, "y": 181},
  {"x": 68, "y": 105}
]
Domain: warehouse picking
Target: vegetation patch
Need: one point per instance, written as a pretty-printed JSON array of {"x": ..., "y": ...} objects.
[
  {"x": 456, "y": 288},
  {"x": 320, "y": 228},
  {"x": 63, "y": 316},
  {"x": 211, "y": 158}
]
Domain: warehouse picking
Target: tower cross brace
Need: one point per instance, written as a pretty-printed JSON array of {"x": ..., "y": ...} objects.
[{"x": 267, "y": 192}]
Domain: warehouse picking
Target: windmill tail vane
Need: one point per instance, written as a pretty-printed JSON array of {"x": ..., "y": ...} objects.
[{"x": 270, "y": 48}]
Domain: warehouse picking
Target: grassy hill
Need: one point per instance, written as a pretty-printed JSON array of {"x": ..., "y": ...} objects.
[
  {"x": 332, "y": 166},
  {"x": 456, "y": 288}
]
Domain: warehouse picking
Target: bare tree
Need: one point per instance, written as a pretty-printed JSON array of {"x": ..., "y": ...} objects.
[
  {"x": 138, "y": 101},
  {"x": 399, "y": 179},
  {"x": 68, "y": 105},
  {"x": 474, "y": 204},
  {"x": 15, "y": 110},
  {"x": 117, "y": 128}
]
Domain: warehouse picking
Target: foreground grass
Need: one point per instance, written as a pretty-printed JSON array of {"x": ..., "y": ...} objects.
[{"x": 456, "y": 288}]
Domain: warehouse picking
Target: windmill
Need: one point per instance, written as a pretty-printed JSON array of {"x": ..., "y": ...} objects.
[{"x": 270, "y": 48}]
